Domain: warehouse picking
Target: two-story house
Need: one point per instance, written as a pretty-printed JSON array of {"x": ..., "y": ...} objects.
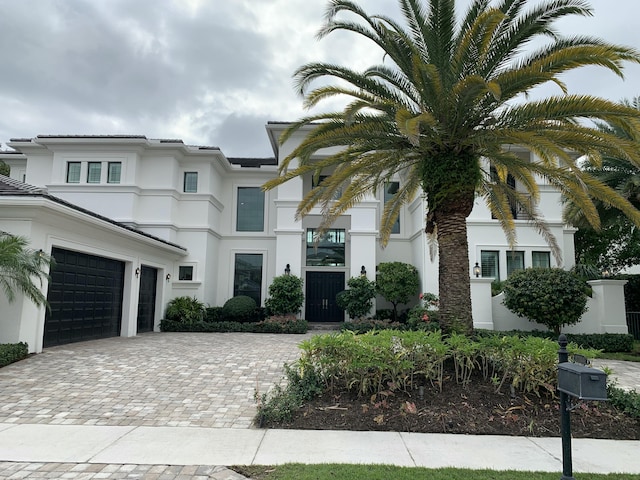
[{"x": 133, "y": 222}]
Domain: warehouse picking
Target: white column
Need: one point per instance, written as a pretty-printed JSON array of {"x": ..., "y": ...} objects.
[{"x": 481, "y": 306}]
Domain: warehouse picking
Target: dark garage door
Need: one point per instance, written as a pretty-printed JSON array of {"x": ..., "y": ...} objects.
[{"x": 85, "y": 294}]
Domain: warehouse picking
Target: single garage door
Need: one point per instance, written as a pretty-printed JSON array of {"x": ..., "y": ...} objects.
[{"x": 85, "y": 295}]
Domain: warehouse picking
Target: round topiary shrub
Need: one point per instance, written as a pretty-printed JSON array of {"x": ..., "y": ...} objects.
[
  {"x": 240, "y": 308},
  {"x": 550, "y": 296},
  {"x": 357, "y": 301}
]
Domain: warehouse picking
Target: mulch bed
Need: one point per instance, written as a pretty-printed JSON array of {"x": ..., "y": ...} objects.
[{"x": 476, "y": 409}]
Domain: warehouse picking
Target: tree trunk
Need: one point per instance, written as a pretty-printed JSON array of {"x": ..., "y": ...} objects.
[{"x": 454, "y": 281}]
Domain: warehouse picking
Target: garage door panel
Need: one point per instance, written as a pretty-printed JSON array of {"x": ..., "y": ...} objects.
[{"x": 85, "y": 295}]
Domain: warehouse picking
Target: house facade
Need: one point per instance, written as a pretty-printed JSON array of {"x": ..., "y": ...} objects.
[{"x": 158, "y": 219}]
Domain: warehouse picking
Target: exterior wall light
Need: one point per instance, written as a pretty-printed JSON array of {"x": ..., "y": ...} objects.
[
  {"x": 168, "y": 277},
  {"x": 476, "y": 270},
  {"x": 137, "y": 272},
  {"x": 287, "y": 270},
  {"x": 363, "y": 271}
]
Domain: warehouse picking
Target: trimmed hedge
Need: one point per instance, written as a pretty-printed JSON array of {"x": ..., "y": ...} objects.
[
  {"x": 294, "y": 326},
  {"x": 607, "y": 342},
  {"x": 12, "y": 352},
  {"x": 219, "y": 314}
]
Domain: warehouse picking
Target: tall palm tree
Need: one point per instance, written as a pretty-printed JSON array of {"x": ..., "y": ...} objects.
[
  {"x": 21, "y": 268},
  {"x": 616, "y": 244},
  {"x": 440, "y": 109}
]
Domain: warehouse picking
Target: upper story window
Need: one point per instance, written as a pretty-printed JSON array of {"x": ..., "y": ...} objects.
[
  {"x": 185, "y": 273},
  {"x": 190, "y": 182},
  {"x": 93, "y": 172},
  {"x": 73, "y": 172},
  {"x": 250, "y": 210},
  {"x": 314, "y": 183},
  {"x": 114, "y": 172},
  {"x": 326, "y": 250},
  {"x": 390, "y": 189}
]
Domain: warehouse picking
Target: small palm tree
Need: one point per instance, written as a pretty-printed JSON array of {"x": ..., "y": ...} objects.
[
  {"x": 442, "y": 108},
  {"x": 21, "y": 268}
]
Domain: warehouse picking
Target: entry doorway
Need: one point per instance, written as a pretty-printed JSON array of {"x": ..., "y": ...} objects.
[
  {"x": 320, "y": 299},
  {"x": 147, "y": 298}
]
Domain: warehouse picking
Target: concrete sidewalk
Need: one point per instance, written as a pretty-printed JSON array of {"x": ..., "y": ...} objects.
[{"x": 80, "y": 447}]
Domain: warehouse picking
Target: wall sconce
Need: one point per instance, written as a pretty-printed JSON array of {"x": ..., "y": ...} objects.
[
  {"x": 287, "y": 269},
  {"x": 363, "y": 271},
  {"x": 137, "y": 272},
  {"x": 476, "y": 270},
  {"x": 168, "y": 277}
]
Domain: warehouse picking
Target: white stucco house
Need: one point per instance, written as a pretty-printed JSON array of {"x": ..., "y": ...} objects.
[{"x": 134, "y": 222}]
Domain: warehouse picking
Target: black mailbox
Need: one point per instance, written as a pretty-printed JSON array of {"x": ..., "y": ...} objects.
[{"x": 583, "y": 382}]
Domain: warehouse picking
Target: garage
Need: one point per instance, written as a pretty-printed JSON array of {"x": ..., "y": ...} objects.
[{"x": 85, "y": 295}]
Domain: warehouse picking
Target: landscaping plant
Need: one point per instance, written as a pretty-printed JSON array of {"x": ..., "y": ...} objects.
[
  {"x": 185, "y": 310},
  {"x": 357, "y": 301},
  {"x": 397, "y": 282},
  {"x": 285, "y": 295},
  {"x": 550, "y": 296},
  {"x": 239, "y": 308}
]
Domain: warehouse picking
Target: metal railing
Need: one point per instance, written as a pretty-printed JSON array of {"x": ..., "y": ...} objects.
[{"x": 633, "y": 322}]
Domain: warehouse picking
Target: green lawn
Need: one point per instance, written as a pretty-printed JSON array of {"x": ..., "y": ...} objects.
[{"x": 384, "y": 472}]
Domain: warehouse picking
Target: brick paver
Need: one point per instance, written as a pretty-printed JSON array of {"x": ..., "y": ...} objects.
[{"x": 155, "y": 379}]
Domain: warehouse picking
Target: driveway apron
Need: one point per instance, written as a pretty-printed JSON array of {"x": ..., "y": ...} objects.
[{"x": 154, "y": 379}]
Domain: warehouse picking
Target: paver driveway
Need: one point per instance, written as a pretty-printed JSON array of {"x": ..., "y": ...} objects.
[{"x": 154, "y": 379}]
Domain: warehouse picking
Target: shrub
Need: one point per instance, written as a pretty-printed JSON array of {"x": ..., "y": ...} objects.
[
  {"x": 295, "y": 326},
  {"x": 631, "y": 292},
  {"x": 12, "y": 352},
  {"x": 357, "y": 301},
  {"x": 185, "y": 310},
  {"x": 397, "y": 282},
  {"x": 285, "y": 295},
  {"x": 214, "y": 314},
  {"x": 550, "y": 296},
  {"x": 626, "y": 401},
  {"x": 425, "y": 315},
  {"x": 239, "y": 308}
]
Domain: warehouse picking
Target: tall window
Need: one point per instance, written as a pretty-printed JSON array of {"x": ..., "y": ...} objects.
[
  {"x": 541, "y": 259},
  {"x": 247, "y": 279},
  {"x": 114, "y": 172},
  {"x": 390, "y": 189},
  {"x": 489, "y": 263},
  {"x": 93, "y": 172},
  {"x": 515, "y": 261},
  {"x": 73, "y": 172},
  {"x": 250, "y": 210},
  {"x": 190, "y": 182},
  {"x": 328, "y": 250}
]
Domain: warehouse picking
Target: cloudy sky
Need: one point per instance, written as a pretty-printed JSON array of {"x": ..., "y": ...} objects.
[{"x": 211, "y": 72}]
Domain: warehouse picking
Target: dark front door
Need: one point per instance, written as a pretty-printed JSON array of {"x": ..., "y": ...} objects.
[
  {"x": 85, "y": 295},
  {"x": 320, "y": 299},
  {"x": 147, "y": 298}
]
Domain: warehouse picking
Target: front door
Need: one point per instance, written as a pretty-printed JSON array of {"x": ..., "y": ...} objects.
[
  {"x": 147, "y": 298},
  {"x": 322, "y": 288}
]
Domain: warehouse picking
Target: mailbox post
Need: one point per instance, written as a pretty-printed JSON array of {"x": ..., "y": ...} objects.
[{"x": 581, "y": 382}]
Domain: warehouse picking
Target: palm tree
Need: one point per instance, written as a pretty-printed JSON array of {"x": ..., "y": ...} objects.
[
  {"x": 20, "y": 266},
  {"x": 440, "y": 109},
  {"x": 616, "y": 244}
]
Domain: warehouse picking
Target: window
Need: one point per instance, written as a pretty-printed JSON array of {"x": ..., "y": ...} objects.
[
  {"x": 93, "y": 172},
  {"x": 328, "y": 250},
  {"x": 489, "y": 264},
  {"x": 541, "y": 259},
  {"x": 250, "y": 210},
  {"x": 515, "y": 261},
  {"x": 185, "y": 273},
  {"x": 114, "y": 172},
  {"x": 73, "y": 172},
  {"x": 247, "y": 279},
  {"x": 390, "y": 189},
  {"x": 191, "y": 182},
  {"x": 336, "y": 195}
]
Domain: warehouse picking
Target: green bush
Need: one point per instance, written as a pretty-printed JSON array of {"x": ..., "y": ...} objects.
[
  {"x": 185, "y": 310},
  {"x": 397, "y": 282},
  {"x": 239, "y": 308},
  {"x": 549, "y": 296},
  {"x": 285, "y": 295},
  {"x": 425, "y": 315},
  {"x": 626, "y": 401},
  {"x": 296, "y": 326},
  {"x": 631, "y": 292},
  {"x": 12, "y": 352},
  {"x": 607, "y": 342},
  {"x": 357, "y": 301},
  {"x": 214, "y": 314}
]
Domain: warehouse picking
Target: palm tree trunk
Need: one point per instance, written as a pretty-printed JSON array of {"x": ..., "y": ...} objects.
[{"x": 453, "y": 278}]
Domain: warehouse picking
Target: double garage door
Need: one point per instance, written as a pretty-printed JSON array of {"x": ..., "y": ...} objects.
[{"x": 85, "y": 295}]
